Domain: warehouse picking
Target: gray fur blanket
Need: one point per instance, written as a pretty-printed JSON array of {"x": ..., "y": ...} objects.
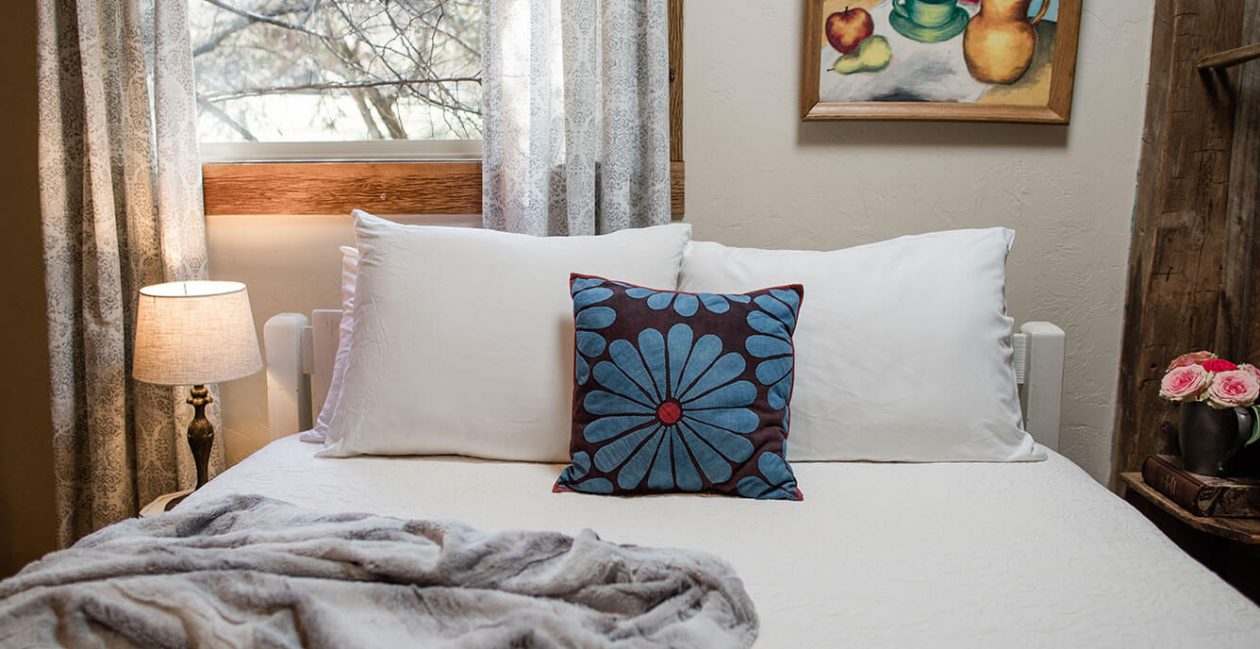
[{"x": 248, "y": 571}]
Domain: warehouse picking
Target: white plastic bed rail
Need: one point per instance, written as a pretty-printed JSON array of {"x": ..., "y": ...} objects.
[{"x": 300, "y": 353}]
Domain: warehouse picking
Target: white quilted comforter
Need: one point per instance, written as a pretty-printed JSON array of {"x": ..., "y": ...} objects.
[{"x": 878, "y": 555}]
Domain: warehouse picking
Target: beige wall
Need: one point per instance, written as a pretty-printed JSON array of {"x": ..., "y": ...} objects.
[
  {"x": 756, "y": 176},
  {"x": 27, "y": 518}
]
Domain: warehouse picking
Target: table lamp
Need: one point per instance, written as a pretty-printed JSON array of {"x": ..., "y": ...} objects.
[{"x": 194, "y": 333}]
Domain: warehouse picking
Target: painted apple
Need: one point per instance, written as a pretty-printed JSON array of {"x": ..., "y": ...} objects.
[{"x": 847, "y": 29}]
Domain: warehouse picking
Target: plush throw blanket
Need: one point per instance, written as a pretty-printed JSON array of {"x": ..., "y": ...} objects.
[{"x": 248, "y": 571}]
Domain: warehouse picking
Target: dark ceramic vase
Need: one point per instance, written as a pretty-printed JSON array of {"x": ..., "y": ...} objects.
[{"x": 1211, "y": 438}]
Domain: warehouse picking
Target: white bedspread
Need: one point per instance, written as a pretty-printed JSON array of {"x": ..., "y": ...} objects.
[{"x": 878, "y": 555}]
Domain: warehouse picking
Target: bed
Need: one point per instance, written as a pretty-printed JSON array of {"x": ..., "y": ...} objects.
[{"x": 877, "y": 554}]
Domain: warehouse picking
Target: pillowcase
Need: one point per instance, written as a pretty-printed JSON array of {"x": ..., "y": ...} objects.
[
  {"x": 349, "y": 272},
  {"x": 463, "y": 337},
  {"x": 905, "y": 352},
  {"x": 681, "y": 391}
]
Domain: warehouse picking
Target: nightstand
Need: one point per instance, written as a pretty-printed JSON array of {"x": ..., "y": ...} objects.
[
  {"x": 163, "y": 503},
  {"x": 1230, "y": 547}
]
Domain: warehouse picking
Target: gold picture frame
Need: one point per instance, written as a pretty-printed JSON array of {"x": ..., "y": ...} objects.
[{"x": 973, "y": 84}]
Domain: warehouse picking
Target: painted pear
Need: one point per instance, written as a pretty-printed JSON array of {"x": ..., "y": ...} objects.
[{"x": 873, "y": 55}]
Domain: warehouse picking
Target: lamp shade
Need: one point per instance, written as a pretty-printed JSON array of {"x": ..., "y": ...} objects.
[{"x": 193, "y": 333}]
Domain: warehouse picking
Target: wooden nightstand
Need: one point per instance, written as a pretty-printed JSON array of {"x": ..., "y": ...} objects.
[
  {"x": 1230, "y": 547},
  {"x": 163, "y": 503}
]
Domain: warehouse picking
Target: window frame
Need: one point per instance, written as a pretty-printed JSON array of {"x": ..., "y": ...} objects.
[
  {"x": 413, "y": 177},
  {"x": 360, "y": 150}
]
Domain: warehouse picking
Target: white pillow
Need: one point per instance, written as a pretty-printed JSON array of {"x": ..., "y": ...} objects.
[
  {"x": 349, "y": 271},
  {"x": 463, "y": 338},
  {"x": 903, "y": 347}
]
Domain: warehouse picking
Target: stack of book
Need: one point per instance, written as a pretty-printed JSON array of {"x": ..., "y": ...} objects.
[{"x": 1202, "y": 495}]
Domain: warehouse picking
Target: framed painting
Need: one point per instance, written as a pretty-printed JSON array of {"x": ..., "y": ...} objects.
[{"x": 957, "y": 60}]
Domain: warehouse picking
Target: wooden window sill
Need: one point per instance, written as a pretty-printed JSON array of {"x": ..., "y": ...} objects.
[{"x": 336, "y": 188}]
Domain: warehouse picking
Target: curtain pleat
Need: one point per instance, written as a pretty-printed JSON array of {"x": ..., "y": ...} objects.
[
  {"x": 576, "y": 115},
  {"x": 120, "y": 187}
]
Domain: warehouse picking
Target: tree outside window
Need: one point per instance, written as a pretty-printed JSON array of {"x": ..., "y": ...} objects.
[{"x": 336, "y": 70}]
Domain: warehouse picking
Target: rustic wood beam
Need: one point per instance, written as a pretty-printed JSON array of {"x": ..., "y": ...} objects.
[
  {"x": 1242, "y": 277},
  {"x": 677, "y": 170},
  {"x": 338, "y": 187},
  {"x": 335, "y": 188},
  {"x": 677, "y": 188},
  {"x": 1229, "y": 58},
  {"x": 1177, "y": 290},
  {"x": 676, "y": 80}
]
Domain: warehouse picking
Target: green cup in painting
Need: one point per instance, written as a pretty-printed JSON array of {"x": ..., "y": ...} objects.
[
  {"x": 926, "y": 13},
  {"x": 928, "y": 21}
]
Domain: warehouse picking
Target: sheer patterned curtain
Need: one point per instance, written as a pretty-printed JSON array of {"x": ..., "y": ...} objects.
[
  {"x": 576, "y": 110},
  {"x": 120, "y": 188}
]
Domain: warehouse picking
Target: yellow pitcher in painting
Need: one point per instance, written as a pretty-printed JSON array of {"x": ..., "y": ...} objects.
[{"x": 1000, "y": 41}]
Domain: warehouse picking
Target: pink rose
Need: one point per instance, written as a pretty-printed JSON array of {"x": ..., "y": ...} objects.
[
  {"x": 1184, "y": 383},
  {"x": 1232, "y": 389},
  {"x": 1251, "y": 368},
  {"x": 1193, "y": 358},
  {"x": 1218, "y": 365}
]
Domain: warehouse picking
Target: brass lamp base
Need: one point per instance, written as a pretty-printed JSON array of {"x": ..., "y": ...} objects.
[{"x": 200, "y": 432}]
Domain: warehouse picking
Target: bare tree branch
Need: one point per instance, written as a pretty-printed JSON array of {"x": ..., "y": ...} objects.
[
  {"x": 330, "y": 86},
  {"x": 262, "y": 18},
  {"x": 365, "y": 112},
  {"x": 404, "y": 67},
  {"x": 243, "y": 22},
  {"x": 226, "y": 119}
]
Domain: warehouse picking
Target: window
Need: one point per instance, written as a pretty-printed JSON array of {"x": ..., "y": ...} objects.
[
  {"x": 321, "y": 106},
  {"x": 340, "y": 70}
]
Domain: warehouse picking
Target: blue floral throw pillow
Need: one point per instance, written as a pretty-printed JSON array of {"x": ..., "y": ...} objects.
[{"x": 681, "y": 392}]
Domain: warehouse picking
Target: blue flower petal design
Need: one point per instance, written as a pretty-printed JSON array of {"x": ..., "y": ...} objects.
[
  {"x": 671, "y": 411},
  {"x": 701, "y": 358},
  {"x": 606, "y": 403},
  {"x": 583, "y": 283},
  {"x": 589, "y": 296},
  {"x": 627, "y": 360},
  {"x": 735, "y": 448},
  {"x": 607, "y": 428},
  {"x": 686, "y": 304},
  {"x": 686, "y": 477},
  {"x": 775, "y": 481},
  {"x": 731, "y": 421},
  {"x": 660, "y": 301},
  {"x": 739, "y": 394},
  {"x": 588, "y": 317},
  {"x": 725, "y": 368},
  {"x": 590, "y": 343},
  {"x": 573, "y": 475},
  {"x": 775, "y": 322}
]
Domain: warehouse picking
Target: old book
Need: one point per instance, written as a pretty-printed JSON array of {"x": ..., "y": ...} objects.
[{"x": 1202, "y": 495}]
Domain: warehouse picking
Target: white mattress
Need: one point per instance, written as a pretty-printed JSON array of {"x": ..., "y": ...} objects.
[{"x": 878, "y": 555}]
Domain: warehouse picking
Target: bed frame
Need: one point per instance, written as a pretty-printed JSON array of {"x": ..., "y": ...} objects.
[{"x": 300, "y": 353}]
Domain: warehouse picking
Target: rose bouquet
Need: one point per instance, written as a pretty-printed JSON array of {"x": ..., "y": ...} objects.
[{"x": 1204, "y": 377}]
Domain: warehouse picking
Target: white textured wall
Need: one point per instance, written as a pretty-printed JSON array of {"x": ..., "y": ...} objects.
[{"x": 757, "y": 176}]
